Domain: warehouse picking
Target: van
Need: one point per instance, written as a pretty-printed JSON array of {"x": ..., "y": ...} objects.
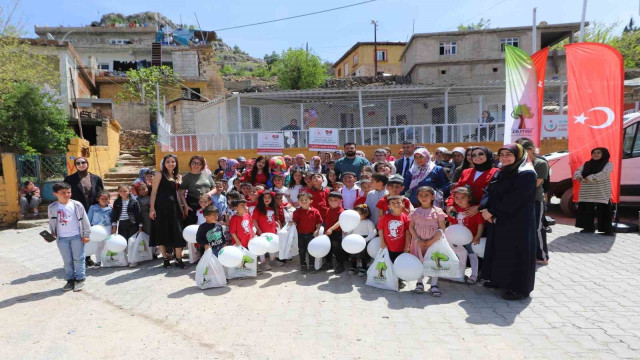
[{"x": 561, "y": 184}]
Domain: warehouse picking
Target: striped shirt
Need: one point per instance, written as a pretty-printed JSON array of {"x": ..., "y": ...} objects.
[
  {"x": 124, "y": 215},
  {"x": 598, "y": 189}
]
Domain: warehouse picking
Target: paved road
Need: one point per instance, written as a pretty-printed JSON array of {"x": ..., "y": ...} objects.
[{"x": 585, "y": 306}]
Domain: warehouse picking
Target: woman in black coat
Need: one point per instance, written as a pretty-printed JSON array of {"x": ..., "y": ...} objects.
[
  {"x": 85, "y": 188},
  {"x": 509, "y": 209}
]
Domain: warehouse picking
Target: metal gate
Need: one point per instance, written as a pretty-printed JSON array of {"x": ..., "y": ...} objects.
[{"x": 43, "y": 170}]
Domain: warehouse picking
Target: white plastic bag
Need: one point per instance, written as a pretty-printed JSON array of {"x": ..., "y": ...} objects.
[
  {"x": 210, "y": 272},
  {"x": 248, "y": 267},
  {"x": 288, "y": 237},
  {"x": 380, "y": 273},
  {"x": 112, "y": 259},
  {"x": 441, "y": 261},
  {"x": 194, "y": 253},
  {"x": 138, "y": 249}
]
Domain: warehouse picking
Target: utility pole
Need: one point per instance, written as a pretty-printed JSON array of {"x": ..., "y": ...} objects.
[
  {"x": 375, "y": 47},
  {"x": 584, "y": 14},
  {"x": 534, "y": 39}
]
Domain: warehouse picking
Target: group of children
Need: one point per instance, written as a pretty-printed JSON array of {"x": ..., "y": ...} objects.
[{"x": 239, "y": 211}]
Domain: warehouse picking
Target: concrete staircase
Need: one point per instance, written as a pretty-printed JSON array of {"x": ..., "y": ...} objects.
[{"x": 131, "y": 163}]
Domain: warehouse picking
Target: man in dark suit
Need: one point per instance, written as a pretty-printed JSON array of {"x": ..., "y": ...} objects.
[{"x": 404, "y": 163}]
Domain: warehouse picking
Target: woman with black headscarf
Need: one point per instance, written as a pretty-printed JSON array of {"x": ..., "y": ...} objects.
[
  {"x": 476, "y": 178},
  {"x": 85, "y": 188},
  {"x": 595, "y": 193},
  {"x": 509, "y": 209},
  {"x": 466, "y": 163}
]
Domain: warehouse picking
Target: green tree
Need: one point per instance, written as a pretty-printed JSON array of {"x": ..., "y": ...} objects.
[
  {"x": 227, "y": 70},
  {"x": 631, "y": 27},
  {"x": 33, "y": 120},
  {"x": 437, "y": 257},
  {"x": 596, "y": 32},
  {"x": 298, "y": 69},
  {"x": 329, "y": 69},
  {"x": 261, "y": 72},
  {"x": 481, "y": 24},
  {"x": 381, "y": 267},
  {"x": 146, "y": 79},
  {"x": 629, "y": 46},
  {"x": 271, "y": 59}
]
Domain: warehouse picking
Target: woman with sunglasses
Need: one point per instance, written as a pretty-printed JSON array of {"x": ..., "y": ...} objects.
[
  {"x": 194, "y": 184},
  {"x": 476, "y": 178},
  {"x": 85, "y": 188}
]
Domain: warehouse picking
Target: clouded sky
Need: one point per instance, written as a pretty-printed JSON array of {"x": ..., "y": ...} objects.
[{"x": 329, "y": 34}]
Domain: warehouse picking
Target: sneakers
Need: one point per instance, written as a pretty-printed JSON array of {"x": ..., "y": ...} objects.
[
  {"x": 69, "y": 285},
  {"x": 265, "y": 266},
  {"x": 88, "y": 261},
  {"x": 419, "y": 288},
  {"x": 362, "y": 272},
  {"x": 278, "y": 263},
  {"x": 132, "y": 265},
  {"x": 98, "y": 264},
  {"x": 352, "y": 271},
  {"x": 78, "y": 286},
  {"x": 401, "y": 284}
]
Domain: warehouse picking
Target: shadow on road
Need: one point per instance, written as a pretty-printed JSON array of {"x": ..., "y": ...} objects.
[
  {"x": 55, "y": 273},
  {"x": 192, "y": 290},
  {"x": 31, "y": 297},
  {"x": 582, "y": 244}
]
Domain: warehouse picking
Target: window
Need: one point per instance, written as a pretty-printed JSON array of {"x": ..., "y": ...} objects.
[
  {"x": 192, "y": 93},
  {"x": 381, "y": 55},
  {"x": 346, "y": 69},
  {"x": 103, "y": 66},
  {"x": 631, "y": 142},
  {"x": 256, "y": 117},
  {"x": 339, "y": 72},
  {"x": 118, "y": 41},
  {"x": 448, "y": 48},
  {"x": 443, "y": 72},
  {"x": 509, "y": 41},
  {"x": 355, "y": 59},
  {"x": 495, "y": 69}
]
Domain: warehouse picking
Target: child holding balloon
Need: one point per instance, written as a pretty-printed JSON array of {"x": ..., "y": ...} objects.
[
  {"x": 334, "y": 231},
  {"x": 100, "y": 214},
  {"x": 462, "y": 197},
  {"x": 308, "y": 221},
  {"x": 210, "y": 234},
  {"x": 367, "y": 229},
  {"x": 393, "y": 229},
  {"x": 425, "y": 226}
]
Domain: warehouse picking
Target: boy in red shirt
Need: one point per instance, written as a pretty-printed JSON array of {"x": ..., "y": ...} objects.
[
  {"x": 335, "y": 232},
  {"x": 308, "y": 221},
  {"x": 319, "y": 194},
  {"x": 394, "y": 187},
  {"x": 393, "y": 229},
  {"x": 241, "y": 225}
]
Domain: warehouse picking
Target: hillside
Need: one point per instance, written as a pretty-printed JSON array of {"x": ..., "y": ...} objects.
[{"x": 235, "y": 57}]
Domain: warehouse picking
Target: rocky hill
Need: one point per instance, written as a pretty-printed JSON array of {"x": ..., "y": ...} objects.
[
  {"x": 235, "y": 57},
  {"x": 147, "y": 17}
]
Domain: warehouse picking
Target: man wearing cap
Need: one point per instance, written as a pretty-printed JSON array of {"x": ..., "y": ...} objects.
[{"x": 351, "y": 162}]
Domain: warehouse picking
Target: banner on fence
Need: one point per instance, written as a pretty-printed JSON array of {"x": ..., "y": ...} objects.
[
  {"x": 270, "y": 143},
  {"x": 321, "y": 139},
  {"x": 554, "y": 127}
]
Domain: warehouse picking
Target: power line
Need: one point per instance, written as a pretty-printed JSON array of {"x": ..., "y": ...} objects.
[
  {"x": 482, "y": 12},
  {"x": 295, "y": 16}
]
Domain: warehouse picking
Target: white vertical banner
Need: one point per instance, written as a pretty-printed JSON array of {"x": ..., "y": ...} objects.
[
  {"x": 521, "y": 98},
  {"x": 270, "y": 143}
]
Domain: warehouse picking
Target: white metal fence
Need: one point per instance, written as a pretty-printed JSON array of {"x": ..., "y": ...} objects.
[{"x": 367, "y": 116}]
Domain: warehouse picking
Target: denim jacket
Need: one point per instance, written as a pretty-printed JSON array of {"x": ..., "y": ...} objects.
[{"x": 99, "y": 215}]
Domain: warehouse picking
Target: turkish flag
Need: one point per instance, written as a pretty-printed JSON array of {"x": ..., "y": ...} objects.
[
  {"x": 540, "y": 63},
  {"x": 595, "y": 83}
]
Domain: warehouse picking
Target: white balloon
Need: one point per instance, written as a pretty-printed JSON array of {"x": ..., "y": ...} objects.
[
  {"x": 116, "y": 243},
  {"x": 373, "y": 247},
  {"x": 408, "y": 267},
  {"x": 319, "y": 246},
  {"x": 273, "y": 240},
  {"x": 189, "y": 233},
  {"x": 91, "y": 247},
  {"x": 349, "y": 219},
  {"x": 258, "y": 246},
  {"x": 354, "y": 243},
  {"x": 458, "y": 235},
  {"x": 479, "y": 248},
  {"x": 230, "y": 256},
  {"x": 98, "y": 233}
]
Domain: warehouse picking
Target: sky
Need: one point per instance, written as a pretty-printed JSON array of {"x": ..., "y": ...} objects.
[{"x": 329, "y": 34}]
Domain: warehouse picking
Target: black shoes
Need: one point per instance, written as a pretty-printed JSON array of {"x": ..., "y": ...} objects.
[
  {"x": 78, "y": 286},
  {"x": 180, "y": 264},
  {"x": 88, "y": 261},
  {"x": 69, "y": 285},
  {"x": 165, "y": 263}
]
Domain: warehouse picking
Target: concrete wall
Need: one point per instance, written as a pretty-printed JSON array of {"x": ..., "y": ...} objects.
[
  {"x": 101, "y": 157},
  {"x": 185, "y": 63},
  {"x": 9, "y": 207},
  {"x": 366, "y": 61},
  {"x": 212, "y": 156},
  {"x": 132, "y": 115}
]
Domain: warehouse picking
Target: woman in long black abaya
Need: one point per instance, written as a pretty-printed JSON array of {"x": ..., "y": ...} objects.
[{"x": 510, "y": 254}]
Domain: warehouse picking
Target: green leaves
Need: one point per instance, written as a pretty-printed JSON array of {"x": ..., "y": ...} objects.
[
  {"x": 146, "y": 79},
  {"x": 32, "y": 120},
  {"x": 298, "y": 70}
]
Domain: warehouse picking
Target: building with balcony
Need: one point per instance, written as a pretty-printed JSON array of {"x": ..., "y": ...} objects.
[{"x": 360, "y": 59}]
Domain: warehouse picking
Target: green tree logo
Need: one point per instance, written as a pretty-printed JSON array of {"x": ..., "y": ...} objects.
[
  {"x": 246, "y": 260},
  {"x": 521, "y": 111},
  {"x": 111, "y": 254},
  {"x": 437, "y": 257},
  {"x": 382, "y": 266}
]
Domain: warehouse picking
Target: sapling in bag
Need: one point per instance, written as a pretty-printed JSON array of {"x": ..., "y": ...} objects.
[
  {"x": 288, "y": 242},
  {"x": 210, "y": 272},
  {"x": 138, "y": 249},
  {"x": 248, "y": 267},
  {"x": 441, "y": 261},
  {"x": 380, "y": 273}
]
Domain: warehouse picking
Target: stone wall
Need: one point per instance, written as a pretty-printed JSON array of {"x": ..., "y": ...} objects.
[
  {"x": 134, "y": 139},
  {"x": 132, "y": 116}
]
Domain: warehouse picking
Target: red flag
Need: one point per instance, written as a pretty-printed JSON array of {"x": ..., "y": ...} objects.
[
  {"x": 595, "y": 78},
  {"x": 540, "y": 63}
]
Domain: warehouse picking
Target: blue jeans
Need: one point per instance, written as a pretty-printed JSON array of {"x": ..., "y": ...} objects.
[
  {"x": 72, "y": 252},
  {"x": 469, "y": 248}
]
